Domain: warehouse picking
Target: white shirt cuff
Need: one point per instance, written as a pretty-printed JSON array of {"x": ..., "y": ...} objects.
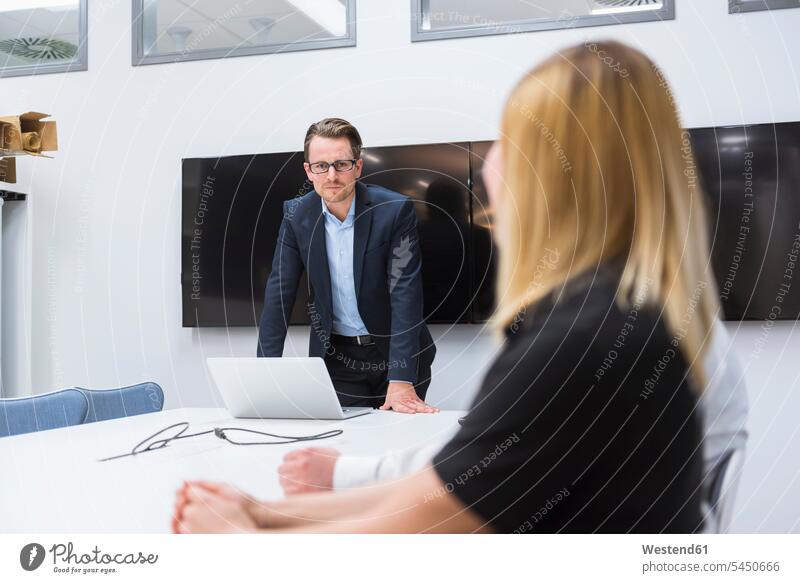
[{"x": 353, "y": 471}]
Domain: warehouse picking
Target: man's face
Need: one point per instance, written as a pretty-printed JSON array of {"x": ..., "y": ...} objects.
[{"x": 332, "y": 186}]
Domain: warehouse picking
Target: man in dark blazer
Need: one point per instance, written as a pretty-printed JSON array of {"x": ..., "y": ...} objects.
[{"x": 359, "y": 246}]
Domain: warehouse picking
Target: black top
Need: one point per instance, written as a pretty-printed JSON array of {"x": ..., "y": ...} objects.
[{"x": 584, "y": 423}]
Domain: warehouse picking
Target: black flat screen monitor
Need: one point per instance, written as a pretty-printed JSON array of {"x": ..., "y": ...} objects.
[
  {"x": 232, "y": 210},
  {"x": 484, "y": 257},
  {"x": 436, "y": 177},
  {"x": 751, "y": 175}
]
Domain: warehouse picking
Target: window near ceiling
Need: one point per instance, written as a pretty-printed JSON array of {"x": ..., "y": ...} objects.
[
  {"x": 183, "y": 30},
  {"x": 42, "y": 36},
  {"x": 736, "y": 6},
  {"x": 440, "y": 19}
]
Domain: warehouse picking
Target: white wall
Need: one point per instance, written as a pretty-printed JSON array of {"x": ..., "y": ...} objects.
[
  {"x": 15, "y": 292},
  {"x": 104, "y": 214}
]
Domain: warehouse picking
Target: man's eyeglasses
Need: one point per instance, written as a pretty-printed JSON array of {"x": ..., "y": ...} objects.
[{"x": 338, "y": 165}]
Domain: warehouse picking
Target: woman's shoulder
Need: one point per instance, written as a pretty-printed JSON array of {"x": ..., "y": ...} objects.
[
  {"x": 577, "y": 329},
  {"x": 588, "y": 302}
]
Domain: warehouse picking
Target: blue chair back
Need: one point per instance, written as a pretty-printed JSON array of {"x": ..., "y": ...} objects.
[
  {"x": 123, "y": 402},
  {"x": 40, "y": 412}
]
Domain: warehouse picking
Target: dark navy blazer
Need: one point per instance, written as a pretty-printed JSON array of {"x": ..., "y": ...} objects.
[{"x": 387, "y": 273}]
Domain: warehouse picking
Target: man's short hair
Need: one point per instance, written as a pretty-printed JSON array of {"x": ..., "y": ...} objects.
[{"x": 334, "y": 127}]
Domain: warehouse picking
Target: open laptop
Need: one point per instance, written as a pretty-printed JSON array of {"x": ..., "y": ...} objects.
[{"x": 278, "y": 388}]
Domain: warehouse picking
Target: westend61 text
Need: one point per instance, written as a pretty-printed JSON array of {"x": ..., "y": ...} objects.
[{"x": 675, "y": 550}]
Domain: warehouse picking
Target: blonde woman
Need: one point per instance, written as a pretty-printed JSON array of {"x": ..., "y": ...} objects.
[{"x": 587, "y": 421}]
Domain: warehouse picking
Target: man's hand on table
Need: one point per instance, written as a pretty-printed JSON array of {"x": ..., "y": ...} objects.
[
  {"x": 402, "y": 397},
  {"x": 308, "y": 470}
]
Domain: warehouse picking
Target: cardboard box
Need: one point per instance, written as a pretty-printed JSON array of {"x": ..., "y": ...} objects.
[
  {"x": 8, "y": 170},
  {"x": 27, "y": 134}
]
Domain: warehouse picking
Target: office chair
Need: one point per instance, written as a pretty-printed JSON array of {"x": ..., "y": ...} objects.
[
  {"x": 123, "y": 402},
  {"x": 61, "y": 408},
  {"x": 722, "y": 485}
]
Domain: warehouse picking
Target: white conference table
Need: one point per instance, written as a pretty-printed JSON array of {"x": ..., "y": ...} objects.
[{"x": 52, "y": 482}]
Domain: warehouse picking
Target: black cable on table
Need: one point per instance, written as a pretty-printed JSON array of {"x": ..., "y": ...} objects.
[{"x": 220, "y": 433}]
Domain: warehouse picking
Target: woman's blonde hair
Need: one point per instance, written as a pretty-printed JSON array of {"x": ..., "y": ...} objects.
[{"x": 596, "y": 167}]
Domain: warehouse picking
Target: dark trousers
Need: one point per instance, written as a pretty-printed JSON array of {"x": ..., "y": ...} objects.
[{"x": 359, "y": 374}]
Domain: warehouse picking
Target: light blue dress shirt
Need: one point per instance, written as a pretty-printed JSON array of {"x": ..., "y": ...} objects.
[{"x": 339, "y": 242}]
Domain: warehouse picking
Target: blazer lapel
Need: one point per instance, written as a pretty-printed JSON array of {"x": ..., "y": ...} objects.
[
  {"x": 319, "y": 273},
  {"x": 361, "y": 229}
]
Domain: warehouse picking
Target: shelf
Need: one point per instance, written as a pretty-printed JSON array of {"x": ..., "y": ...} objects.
[{"x": 11, "y": 196}]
